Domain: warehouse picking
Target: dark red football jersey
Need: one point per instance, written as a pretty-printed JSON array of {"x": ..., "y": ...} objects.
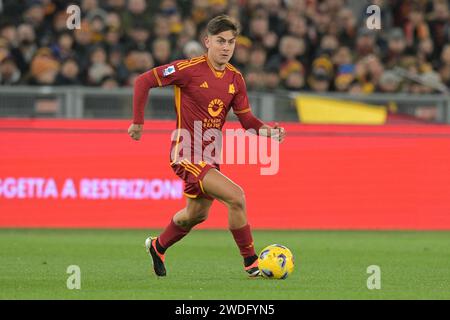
[{"x": 203, "y": 97}]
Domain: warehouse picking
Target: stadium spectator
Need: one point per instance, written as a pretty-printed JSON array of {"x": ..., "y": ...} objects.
[
  {"x": 430, "y": 82},
  {"x": 375, "y": 68},
  {"x": 8, "y": 31},
  {"x": 345, "y": 77},
  {"x": 416, "y": 29},
  {"x": 69, "y": 73},
  {"x": 389, "y": 82},
  {"x": 161, "y": 51},
  {"x": 439, "y": 24},
  {"x": 272, "y": 79},
  {"x": 99, "y": 66},
  {"x": 291, "y": 49},
  {"x": 4, "y": 49},
  {"x": 138, "y": 37},
  {"x": 192, "y": 49},
  {"x": 328, "y": 45},
  {"x": 109, "y": 82},
  {"x": 186, "y": 35},
  {"x": 425, "y": 51},
  {"x": 444, "y": 67},
  {"x": 89, "y": 6},
  {"x": 137, "y": 10},
  {"x": 59, "y": 22},
  {"x": 241, "y": 55},
  {"x": 112, "y": 38},
  {"x": 161, "y": 27},
  {"x": 342, "y": 56},
  {"x": 26, "y": 48},
  {"x": 319, "y": 81},
  {"x": 97, "y": 23},
  {"x": 257, "y": 59},
  {"x": 295, "y": 78},
  {"x": 9, "y": 72},
  {"x": 347, "y": 28},
  {"x": 365, "y": 43},
  {"x": 116, "y": 6},
  {"x": 258, "y": 26},
  {"x": 136, "y": 63},
  {"x": 34, "y": 14},
  {"x": 116, "y": 60},
  {"x": 83, "y": 41},
  {"x": 63, "y": 48},
  {"x": 113, "y": 21},
  {"x": 44, "y": 68},
  {"x": 395, "y": 49}
]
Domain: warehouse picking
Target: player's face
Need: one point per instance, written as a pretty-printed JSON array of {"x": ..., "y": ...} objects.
[{"x": 221, "y": 47}]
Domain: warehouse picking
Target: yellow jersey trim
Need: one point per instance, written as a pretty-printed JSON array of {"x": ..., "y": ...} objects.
[
  {"x": 201, "y": 186},
  {"x": 192, "y": 196},
  {"x": 178, "y": 110},
  {"x": 189, "y": 169},
  {"x": 185, "y": 62},
  {"x": 231, "y": 68},
  {"x": 217, "y": 74},
  {"x": 187, "y": 164},
  {"x": 190, "y": 65},
  {"x": 157, "y": 77},
  {"x": 242, "y": 111}
]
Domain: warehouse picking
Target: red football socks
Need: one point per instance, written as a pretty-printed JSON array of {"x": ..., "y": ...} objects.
[
  {"x": 244, "y": 241},
  {"x": 170, "y": 235}
]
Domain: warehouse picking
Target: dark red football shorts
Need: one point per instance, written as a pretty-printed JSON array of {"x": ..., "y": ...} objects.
[{"x": 192, "y": 175}]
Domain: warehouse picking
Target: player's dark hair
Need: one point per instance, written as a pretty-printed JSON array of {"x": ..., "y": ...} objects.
[{"x": 222, "y": 23}]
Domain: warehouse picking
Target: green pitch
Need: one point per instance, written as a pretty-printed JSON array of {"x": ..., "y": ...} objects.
[{"x": 207, "y": 265}]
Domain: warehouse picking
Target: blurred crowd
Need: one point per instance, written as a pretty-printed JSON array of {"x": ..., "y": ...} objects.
[{"x": 312, "y": 45}]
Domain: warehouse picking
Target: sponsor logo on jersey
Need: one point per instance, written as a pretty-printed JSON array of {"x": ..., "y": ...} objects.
[
  {"x": 231, "y": 89},
  {"x": 215, "y": 107},
  {"x": 204, "y": 85}
]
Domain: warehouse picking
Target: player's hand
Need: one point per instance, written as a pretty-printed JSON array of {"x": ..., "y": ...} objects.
[
  {"x": 135, "y": 131},
  {"x": 279, "y": 132}
]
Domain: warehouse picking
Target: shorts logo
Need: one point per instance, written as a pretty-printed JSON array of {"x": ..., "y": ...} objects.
[
  {"x": 169, "y": 70},
  {"x": 215, "y": 107}
]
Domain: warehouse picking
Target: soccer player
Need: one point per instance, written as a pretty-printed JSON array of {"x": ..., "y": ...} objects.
[{"x": 206, "y": 88}]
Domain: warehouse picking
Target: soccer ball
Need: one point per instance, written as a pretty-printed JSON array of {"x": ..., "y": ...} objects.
[{"x": 276, "y": 262}]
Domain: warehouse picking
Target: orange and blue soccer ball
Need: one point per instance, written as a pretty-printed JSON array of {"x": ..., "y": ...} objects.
[{"x": 276, "y": 262}]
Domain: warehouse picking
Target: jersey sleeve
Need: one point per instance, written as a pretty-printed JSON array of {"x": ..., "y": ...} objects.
[
  {"x": 166, "y": 75},
  {"x": 172, "y": 74},
  {"x": 241, "y": 106},
  {"x": 240, "y": 103}
]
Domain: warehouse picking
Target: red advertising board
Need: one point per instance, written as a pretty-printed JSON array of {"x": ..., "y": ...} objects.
[{"x": 89, "y": 173}]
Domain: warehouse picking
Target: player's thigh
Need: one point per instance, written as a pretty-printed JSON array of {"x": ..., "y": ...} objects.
[
  {"x": 198, "y": 207},
  {"x": 222, "y": 188}
]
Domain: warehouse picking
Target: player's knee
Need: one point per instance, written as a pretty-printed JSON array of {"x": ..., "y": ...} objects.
[
  {"x": 237, "y": 200},
  {"x": 198, "y": 217}
]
